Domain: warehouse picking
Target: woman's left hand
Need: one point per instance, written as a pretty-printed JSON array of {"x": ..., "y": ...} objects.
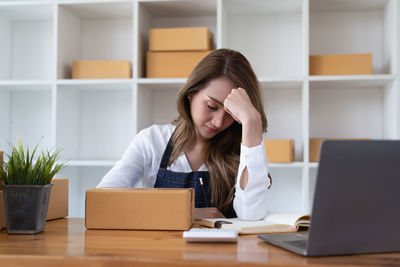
[
  {"x": 239, "y": 106},
  {"x": 204, "y": 213}
]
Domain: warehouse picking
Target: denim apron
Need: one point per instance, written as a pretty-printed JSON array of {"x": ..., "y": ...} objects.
[{"x": 198, "y": 180}]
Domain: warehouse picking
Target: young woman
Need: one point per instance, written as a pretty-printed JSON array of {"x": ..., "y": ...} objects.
[{"x": 214, "y": 146}]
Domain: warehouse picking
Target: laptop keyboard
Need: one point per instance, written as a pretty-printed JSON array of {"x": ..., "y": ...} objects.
[
  {"x": 302, "y": 235},
  {"x": 302, "y": 244},
  {"x": 297, "y": 241}
]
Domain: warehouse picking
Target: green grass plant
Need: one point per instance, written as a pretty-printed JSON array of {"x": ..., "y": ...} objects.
[{"x": 22, "y": 169}]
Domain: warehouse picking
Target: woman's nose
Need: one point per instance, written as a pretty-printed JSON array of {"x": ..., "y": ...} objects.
[{"x": 219, "y": 119}]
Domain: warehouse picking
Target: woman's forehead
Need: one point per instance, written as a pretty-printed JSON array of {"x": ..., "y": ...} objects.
[{"x": 218, "y": 88}]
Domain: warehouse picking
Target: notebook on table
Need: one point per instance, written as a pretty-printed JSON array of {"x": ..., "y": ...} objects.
[
  {"x": 356, "y": 202},
  {"x": 273, "y": 222}
]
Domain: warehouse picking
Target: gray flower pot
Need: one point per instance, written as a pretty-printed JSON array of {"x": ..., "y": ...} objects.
[{"x": 26, "y": 208}]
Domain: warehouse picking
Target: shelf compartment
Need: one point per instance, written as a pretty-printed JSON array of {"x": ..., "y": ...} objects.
[
  {"x": 280, "y": 83},
  {"x": 171, "y": 14},
  {"x": 162, "y": 81},
  {"x": 265, "y": 31},
  {"x": 335, "y": 110},
  {"x": 97, "y": 84},
  {"x": 354, "y": 27},
  {"x": 26, "y": 114},
  {"x": 156, "y": 104},
  {"x": 283, "y": 108},
  {"x": 290, "y": 182},
  {"x": 94, "y": 123},
  {"x": 27, "y": 85},
  {"x": 93, "y": 31},
  {"x": 26, "y": 47},
  {"x": 377, "y": 80}
]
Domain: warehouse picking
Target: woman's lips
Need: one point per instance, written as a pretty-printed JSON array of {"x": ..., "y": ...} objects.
[{"x": 211, "y": 130}]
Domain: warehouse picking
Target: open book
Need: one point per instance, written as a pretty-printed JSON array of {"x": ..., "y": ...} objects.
[{"x": 272, "y": 223}]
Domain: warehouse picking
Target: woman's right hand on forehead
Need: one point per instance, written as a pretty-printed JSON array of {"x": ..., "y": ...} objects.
[{"x": 239, "y": 106}]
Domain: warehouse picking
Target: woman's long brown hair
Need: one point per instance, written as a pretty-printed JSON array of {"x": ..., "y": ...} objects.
[{"x": 221, "y": 154}]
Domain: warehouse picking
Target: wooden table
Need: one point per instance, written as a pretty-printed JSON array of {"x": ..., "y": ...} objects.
[{"x": 66, "y": 242}]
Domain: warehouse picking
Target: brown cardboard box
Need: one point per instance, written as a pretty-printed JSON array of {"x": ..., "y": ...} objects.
[
  {"x": 181, "y": 39},
  {"x": 342, "y": 64},
  {"x": 140, "y": 208},
  {"x": 279, "y": 150},
  {"x": 58, "y": 203},
  {"x": 172, "y": 64},
  {"x": 102, "y": 69},
  {"x": 315, "y": 146}
]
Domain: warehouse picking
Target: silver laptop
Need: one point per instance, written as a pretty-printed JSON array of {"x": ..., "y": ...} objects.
[{"x": 356, "y": 203}]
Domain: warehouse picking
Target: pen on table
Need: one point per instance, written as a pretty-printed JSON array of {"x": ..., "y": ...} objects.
[{"x": 218, "y": 224}]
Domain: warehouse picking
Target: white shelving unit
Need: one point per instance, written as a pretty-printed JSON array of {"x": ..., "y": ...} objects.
[{"x": 94, "y": 120}]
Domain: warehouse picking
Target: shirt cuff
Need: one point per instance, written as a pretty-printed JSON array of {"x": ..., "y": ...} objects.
[{"x": 253, "y": 156}]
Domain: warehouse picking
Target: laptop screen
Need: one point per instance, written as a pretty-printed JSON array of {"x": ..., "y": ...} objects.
[{"x": 357, "y": 197}]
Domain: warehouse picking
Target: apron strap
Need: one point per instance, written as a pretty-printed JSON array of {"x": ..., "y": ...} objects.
[{"x": 166, "y": 155}]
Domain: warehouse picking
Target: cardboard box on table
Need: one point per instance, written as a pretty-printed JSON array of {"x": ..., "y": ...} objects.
[
  {"x": 279, "y": 150},
  {"x": 58, "y": 203},
  {"x": 102, "y": 69},
  {"x": 139, "y": 208},
  {"x": 341, "y": 64}
]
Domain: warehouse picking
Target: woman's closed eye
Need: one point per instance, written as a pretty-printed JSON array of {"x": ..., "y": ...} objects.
[{"x": 213, "y": 108}]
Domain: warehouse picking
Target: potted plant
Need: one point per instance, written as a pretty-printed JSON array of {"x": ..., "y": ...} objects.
[{"x": 27, "y": 188}]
